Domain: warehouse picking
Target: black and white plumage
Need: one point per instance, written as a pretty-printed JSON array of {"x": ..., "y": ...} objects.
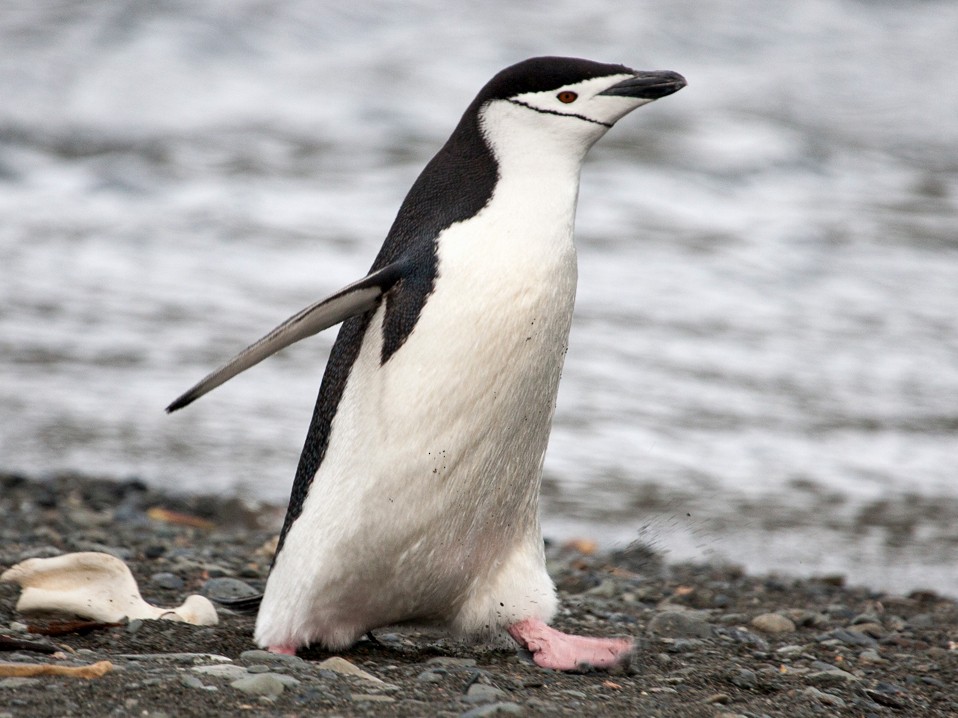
[{"x": 416, "y": 495}]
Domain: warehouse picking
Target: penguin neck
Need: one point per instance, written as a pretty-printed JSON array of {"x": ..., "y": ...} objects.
[
  {"x": 538, "y": 160},
  {"x": 536, "y": 146}
]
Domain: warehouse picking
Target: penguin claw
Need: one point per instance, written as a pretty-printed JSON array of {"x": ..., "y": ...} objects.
[{"x": 560, "y": 651}]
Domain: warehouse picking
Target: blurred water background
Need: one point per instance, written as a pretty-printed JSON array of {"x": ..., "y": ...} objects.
[{"x": 764, "y": 361}]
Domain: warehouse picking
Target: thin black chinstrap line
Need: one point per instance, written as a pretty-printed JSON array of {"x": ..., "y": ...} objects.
[{"x": 560, "y": 114}]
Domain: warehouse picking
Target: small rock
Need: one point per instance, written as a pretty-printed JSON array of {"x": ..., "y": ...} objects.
[
  {"x": 191, "y": 681},
  {"x": 225, "y": 589},
  {"x": 344, "y": 667},
  {"x": 286, "y": 680},
  {"x": 215, "y": 570},
  {"x": 450, "y": 661},
  {"x": 870, "y": 655},
  {"x": 154, "y": 551},
  {"x": 263, "y": 684},
  {"x": 168, "y": 581},
  {"x": 744, "y": 678},
  {"x": 836, "y": 677},
  {"x": 257, "y": 655},
  {"x": 742, "y": 635},
  {"x": 258, "y": 668},
  {"x": 135, "y": 625},
  {"x": 371, "y": 698},
  {"x": 493, "y": 709},
  {"x": 773, "y": 623},
  {"x": 19, "y": 682},
  {"x": 606, "y": 589},
  {"x": 683, "y": 645},
  {"x": 680, "y": 624},
  {"x": 853, "y": 638},
  {"x": 828, "y": 699},
  {"x": 921, "y": 620},
  {"x": 718, "y": 699},
  {"x": 223, "y": 670},
  {"x": 429, "y": 677},
  {"x": 875, "y": 630},
  {"x": 481, "y": 693},
  {"x": 789, "y": 650}
]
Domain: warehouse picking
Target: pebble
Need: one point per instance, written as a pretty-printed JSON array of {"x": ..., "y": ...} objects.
[
  {"x": 176, "y": 657},
  {"x": 451, "y": 661},
  {"x": 742, "y": 635},
  {"x": 344, "y": 667},
  {"x": 680, "y": 624},
  {"x": 828, "y": 699},
  {"x": 493, "y": 709},
  {"x": 789, "y": 650},
  {"x": 191, "y": 681},
  {"x": 429, "y": 677},
  {"x": 154, "y": 551},
  {"x": 607, "y": 589},
  {"x": 225, "y": 588},
  {"x": 263, "y": 684},
  {"x": 921, "y": 620},
  {"x": 853, "y": 638},
  {"x": 166, "y": 580},
  {"x": 225, "y": 670},
  {"x": 258, "y": 655},
  {"x": 773, "y": 623},
  {"x": 18, "y": 682},
  {"x": 744, "y": 678},
  {"x": 870, "y": 655},
  {"x": 873, "y": 629},
  {"x": 482, "y": 693},
  {"x": 835, "y": 677},
  {"x": 371, "y": 698}
]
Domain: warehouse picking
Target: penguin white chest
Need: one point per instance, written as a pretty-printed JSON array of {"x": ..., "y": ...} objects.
[{"x": 472, "y": 391}]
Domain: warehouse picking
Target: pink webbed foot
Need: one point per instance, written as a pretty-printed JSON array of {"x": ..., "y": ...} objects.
[
  {"x": 283, "y": 650},
  {"x": 563, "y": 652}
]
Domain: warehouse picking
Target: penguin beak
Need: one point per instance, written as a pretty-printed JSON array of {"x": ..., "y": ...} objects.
[{"x": 648, "y": 85}]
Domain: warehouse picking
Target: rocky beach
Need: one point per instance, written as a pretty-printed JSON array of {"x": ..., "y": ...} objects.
[{"x": 712, "y": 640}]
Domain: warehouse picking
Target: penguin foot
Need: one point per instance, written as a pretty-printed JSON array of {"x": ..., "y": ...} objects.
[
  {"x": 560, "y": 651},
  {"x": 283, "y": 650}
]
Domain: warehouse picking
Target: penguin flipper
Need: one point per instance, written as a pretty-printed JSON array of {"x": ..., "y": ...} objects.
[{"x": 356, "y": 298}]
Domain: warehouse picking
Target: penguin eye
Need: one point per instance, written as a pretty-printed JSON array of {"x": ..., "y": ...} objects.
[{"x": 567, "y": 96}]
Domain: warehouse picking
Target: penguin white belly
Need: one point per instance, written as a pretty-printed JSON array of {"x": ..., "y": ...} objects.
[{"x": 425, "y": 507}]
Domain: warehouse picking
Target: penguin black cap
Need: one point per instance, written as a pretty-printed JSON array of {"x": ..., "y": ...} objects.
[{"x": 539, "y": 74}]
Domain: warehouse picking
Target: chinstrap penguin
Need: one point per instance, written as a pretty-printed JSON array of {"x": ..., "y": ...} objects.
[{"x": 416, "y": 496}]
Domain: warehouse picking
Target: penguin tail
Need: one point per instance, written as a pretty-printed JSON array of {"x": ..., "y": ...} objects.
[{"x": 246, "y": 604}]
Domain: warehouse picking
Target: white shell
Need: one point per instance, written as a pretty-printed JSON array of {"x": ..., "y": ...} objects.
[{"x": 97, "y": 586}]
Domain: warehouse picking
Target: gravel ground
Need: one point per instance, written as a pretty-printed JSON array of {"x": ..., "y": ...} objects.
[{"x": 713, "y": 641}]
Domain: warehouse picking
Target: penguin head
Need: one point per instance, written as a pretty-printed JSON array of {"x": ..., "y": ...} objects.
[{"x": 573, "y": 100}]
